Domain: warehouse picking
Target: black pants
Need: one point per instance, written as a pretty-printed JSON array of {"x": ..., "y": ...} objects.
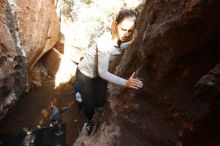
[{"x": 93, "y": 92}]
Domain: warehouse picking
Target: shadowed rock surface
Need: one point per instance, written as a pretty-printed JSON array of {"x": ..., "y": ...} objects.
[{"x": 13, "y": 64}]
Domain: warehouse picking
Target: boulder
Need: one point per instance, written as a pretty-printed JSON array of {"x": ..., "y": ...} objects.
[
  {"x": 13, "y": 65},
  {"x": 29, "y": 29},
  {"x": 38, "y": 27}
]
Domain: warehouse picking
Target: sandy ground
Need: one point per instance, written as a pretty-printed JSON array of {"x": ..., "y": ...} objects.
[{"x": 32, "y": 109}]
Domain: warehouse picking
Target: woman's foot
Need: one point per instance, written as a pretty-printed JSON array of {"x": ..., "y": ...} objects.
[{"x": 87, "y": 128}]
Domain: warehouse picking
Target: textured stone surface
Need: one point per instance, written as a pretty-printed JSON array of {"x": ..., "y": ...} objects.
[
  {"x": 177, "y": 44},
  {"x": 29, "y": 29},
  {"x": 52, "y": 61},
  {"x": 38, "y": 27},
  {"x": 13, "y": 65}
]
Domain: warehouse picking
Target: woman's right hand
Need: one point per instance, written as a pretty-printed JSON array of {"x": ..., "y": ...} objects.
[{"x": 134, "y": 83}]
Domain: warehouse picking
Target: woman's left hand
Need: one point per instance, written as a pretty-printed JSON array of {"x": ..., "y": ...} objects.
[{"x": 134, "y": 83}]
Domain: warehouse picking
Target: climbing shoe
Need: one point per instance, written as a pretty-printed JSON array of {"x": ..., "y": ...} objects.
[{"x": 89, "y": 127}]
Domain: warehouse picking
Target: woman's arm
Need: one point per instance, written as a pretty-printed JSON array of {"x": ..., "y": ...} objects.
[{"x": 103, "y": 63}]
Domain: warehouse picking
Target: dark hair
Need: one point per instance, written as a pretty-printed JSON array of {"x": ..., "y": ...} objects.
[{"x": 123, "y": 13}]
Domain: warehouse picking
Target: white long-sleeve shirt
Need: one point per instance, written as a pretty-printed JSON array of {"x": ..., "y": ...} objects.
[{"x": 96, "y": 60}]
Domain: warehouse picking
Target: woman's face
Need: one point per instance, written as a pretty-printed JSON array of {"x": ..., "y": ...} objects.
[{"x": 125, "y": 29}]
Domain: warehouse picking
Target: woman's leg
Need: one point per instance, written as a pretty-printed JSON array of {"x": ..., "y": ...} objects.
[
  {"x": 87, "y": 92},
  {"x": 100, "y": 92}
]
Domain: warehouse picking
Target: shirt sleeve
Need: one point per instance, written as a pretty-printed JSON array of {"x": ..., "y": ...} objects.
[
  {"x": 103, "y": 64},
  {"x": 125, "y": 45}
]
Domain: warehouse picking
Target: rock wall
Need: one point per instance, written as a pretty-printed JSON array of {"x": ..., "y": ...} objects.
[
  {"x": 38, "y": 27},
  {"x": 29, "y": 29},
  {"x": 177, "y": 44},
  {"x": 13, "y": 64}
]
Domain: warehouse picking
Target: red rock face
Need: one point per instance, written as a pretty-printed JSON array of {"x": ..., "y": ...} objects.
[
  {"x": 177, "y": 44},
  {"x": 7, "y": 53},
  {"x": 29, "y": 29},
  {"x": 12, "y": 65},
  {"x": 38, "y": 27}
]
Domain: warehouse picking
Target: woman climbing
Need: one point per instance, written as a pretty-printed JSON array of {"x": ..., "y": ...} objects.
[{"x": 92, "y": 72}]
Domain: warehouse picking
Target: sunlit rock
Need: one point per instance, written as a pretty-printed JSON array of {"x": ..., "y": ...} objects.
[{"x": 38, "y": 27}]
